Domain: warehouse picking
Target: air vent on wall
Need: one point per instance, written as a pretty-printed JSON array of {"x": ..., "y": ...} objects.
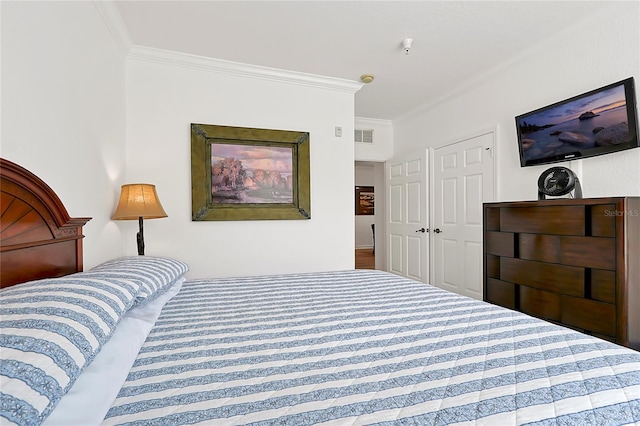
[{"x": 364, "y": 135}]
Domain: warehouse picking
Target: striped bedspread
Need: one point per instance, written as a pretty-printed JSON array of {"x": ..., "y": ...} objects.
[{"x": 367, "y": 347}]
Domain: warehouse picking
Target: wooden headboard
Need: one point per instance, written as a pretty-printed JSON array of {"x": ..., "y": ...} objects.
[{"x": 38, "y": 238}]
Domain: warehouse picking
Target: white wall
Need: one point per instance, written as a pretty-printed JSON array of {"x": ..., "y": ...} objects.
[
  {"x": 165, "y": 95},
  {"x": 382, "y": 147},
  {"x": 63, "y": 109},
  {"x": 66, "y": 117},
  {"x": 584, "y": 56},
  {"x": 365, "y": 176}
]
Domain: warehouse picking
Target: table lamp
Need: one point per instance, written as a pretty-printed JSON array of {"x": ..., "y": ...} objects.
[{"x": 139, "y": 201}]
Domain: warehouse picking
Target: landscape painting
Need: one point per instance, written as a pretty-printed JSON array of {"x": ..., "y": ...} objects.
[
  {"x": 243, "y": 173},
  {"x": 247, "y": 173}
]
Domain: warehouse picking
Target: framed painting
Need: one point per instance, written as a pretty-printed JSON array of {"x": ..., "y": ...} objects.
[
  {"x": 365, "y": 199},
  {"x": 241, "y": 173}
]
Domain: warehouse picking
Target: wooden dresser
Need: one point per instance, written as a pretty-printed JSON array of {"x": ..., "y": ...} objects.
[{"x": 574, "y": 262}]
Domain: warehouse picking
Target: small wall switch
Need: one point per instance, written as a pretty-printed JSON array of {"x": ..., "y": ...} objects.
[{"x": 339, "y": 131}]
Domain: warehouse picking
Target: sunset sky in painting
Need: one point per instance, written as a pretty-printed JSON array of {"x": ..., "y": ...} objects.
[{"x": 256, "y": 157}]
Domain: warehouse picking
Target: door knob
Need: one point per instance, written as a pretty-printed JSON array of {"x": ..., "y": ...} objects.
[
  {"x": 437, "y": 230},
  {"x": 422, "y": 230}
]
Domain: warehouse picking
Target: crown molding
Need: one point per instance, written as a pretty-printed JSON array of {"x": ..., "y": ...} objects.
[
  {"x": 115, "y": 25},
  {"x": 375, "y": 121},
  {"x": 185, "y": 60}
]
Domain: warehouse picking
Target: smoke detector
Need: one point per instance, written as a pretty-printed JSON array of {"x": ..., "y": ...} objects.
[{"x": 406, "y": 45}]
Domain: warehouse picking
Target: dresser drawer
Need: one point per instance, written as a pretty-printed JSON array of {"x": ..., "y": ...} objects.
[
  {"x": 492, "y": 219},
  {"x": 493, "y": 266},
  {"x": 501, "y": 293},
  {"x": 603, "y": 285},
  {"x": 544, "y": 276},
  {"x": 603, "y": 220},
  {"x": 555, "y": 220},
  {"x": 499, "y": 243},
  {"x": 540, "y": 303},
  {"x": 591, "y": 315},
  {"x": 590, "y": 252}
]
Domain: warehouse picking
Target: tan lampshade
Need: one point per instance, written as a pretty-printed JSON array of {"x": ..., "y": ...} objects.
[{"x": 138, "y": 200}]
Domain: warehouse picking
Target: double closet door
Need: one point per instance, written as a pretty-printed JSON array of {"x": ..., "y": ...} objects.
[{"x": 434, "y": 217}]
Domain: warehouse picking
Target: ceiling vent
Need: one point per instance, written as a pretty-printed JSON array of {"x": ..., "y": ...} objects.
[{"x": 364, "y": 135}]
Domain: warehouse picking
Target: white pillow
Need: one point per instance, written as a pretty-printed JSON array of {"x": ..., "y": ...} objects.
[{"x": 88, "y": 401}]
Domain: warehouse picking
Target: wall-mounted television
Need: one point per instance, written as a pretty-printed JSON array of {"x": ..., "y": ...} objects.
[{"x": 598, "y": 122}]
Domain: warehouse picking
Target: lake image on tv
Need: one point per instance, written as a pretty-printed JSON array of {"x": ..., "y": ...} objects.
[{"x": 597, "y": 120}]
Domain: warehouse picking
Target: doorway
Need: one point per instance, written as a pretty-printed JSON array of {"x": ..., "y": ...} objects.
[{"x": 369, "y": 246}]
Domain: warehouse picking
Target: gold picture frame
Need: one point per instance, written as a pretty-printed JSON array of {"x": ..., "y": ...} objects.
[{"x": 242, "y": 173}]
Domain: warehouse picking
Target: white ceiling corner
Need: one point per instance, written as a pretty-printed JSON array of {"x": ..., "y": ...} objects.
[
  {"x": 334, "y": 42},
  {"x": 112, "y": 19},
  {"x": 246, "y": 70}
]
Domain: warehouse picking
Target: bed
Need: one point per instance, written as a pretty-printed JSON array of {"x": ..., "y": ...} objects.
[{"x": 132, "y": 342}]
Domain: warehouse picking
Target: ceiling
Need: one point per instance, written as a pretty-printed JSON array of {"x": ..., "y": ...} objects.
[{"x": 455, "y": 43}]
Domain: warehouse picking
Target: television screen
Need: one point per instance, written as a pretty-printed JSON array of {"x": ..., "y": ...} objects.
[{"x": 598, "y": 122}]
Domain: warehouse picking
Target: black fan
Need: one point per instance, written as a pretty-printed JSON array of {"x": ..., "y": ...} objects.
[{"x": 558, "y": 181}]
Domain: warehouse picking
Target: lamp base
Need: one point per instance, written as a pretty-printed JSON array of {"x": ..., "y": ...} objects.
[{"x": 140, "y": 238}]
